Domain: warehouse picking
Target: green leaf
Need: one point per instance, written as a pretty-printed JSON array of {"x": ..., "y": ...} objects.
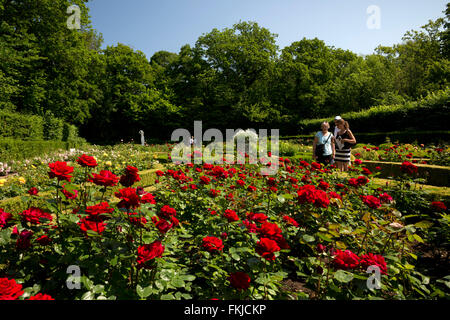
[
  {"x": 144, "y": 292},
  {"x": 308, "y": 238},
  {"x": 424, "y": 224},
  {"x": 167, "y": 297},
  {"x": 343, "y": 276},
  {"x": 324, "y": 237},
  {"x": 88, "y": 296}
]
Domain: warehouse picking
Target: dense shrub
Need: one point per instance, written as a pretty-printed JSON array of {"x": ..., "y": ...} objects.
[
  {"x": 32, "y": 127},
  {"x": 20, "y": 126},
  {"x": 13, "y": 149}
]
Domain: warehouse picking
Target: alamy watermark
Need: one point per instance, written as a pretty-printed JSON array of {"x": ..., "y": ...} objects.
[
  {"x": 74, "y": 20},
  {"x": 374, "y": 281},
  {"x": 374, "y": 20},
  {"x": 250, "y": 145}
]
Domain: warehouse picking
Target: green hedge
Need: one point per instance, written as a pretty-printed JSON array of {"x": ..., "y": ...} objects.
[
  {"x": 32, "y": 127},
  {"x": 20, "y": 126},
  {"x": 427, "y": 114},
  {"x": 13, "y": 149},
  {"x": 377, "y": 138}
]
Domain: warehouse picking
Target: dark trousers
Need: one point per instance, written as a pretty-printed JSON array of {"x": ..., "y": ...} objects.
[{"x": 324, "y": 159}]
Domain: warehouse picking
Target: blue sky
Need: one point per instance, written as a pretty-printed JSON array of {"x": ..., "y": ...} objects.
[{"x": 153, "y": 25}]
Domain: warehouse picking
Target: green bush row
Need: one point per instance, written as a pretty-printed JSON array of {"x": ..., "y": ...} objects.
[
  {"x": 429, "y": 113},
  {"x": 14, "y": 149},
  {"x": 33, "y": 127}
]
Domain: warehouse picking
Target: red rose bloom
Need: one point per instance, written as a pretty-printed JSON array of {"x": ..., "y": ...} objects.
[
  {"x": 92, "y": 225},
  {"x": 33, "y": 191},
  {"x": 130, "y": 199},
  {"x": 41, "y": 296},
  {"x": 291, "y": 221},
  {"x": 167, "y": 212},
  {"x": 148, "y": 198},
  {"x": 366, "y": 172},
  {"x": 44, "y": 240},
  {"x": 130, "y": 177},
  {"x": 231, "y": 215},
  {"x": 60, "y": 170},
  {"x": 269, "y": 230},
  {"x": 408, "y": 168},
  {"x": 162, "y": 225},
  {"x": 34, "y": 215},
  {"x": 24, "y": 241},
  {"x": 323, "y": 185},
  {"x": 87, "y": 161},
  {"x": 205, "y": 180},
  {"x": 5, "y": 217},
  {"x": 106, "y": 179},
  {"x": 148, "y": 252},
  {"x": 258, "y": 217},
  {"x": 239, "y": 280},
  {"x": 212, "y": 244},
  {"x": 373, "y": 260},
  {"x": 371, "y": 201},
  {"x": 266, "y": 248},
  {"x": 10, "y": 289},
  {"x": 97, "y": 212},
  {"x": 321, "y": 199},
  {"x": 306, "y": 194},
  {"x": 385, "y": 198},
  {"x": 438, "y": 205},
  {"x": 362, "y": 180},
  {"x": 345, "y": 259}
]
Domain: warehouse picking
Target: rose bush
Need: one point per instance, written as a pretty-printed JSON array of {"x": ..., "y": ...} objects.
[{"x": 183, "y": 241}]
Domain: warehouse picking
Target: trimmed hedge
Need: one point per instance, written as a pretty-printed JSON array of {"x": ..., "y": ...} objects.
[
  {"x": 429, "y": 113},
  {"x": 13, "y": 149},
  {"x": 377, "y": 138},
  {"x": 32, "y": 127}
]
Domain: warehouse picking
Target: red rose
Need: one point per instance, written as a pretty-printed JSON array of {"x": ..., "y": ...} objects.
[
  {"x": 353, "y": 182},
  {"x": 92, "y": 225},
  {"x": 251, "y": 227},
  {"x": 321, "y": 199},
  {"x": 269, "y": 230},
  {"x": 159, "y": 173},
  {"x": 69, "y": 195},
  {"x": 306, "y": 194},
  {"x": 371, "y": 201},
  {"x": 130, "y": 177},
  {"x": 231, "y": 215},
  {"x": 212, "y": 244},
  {"x": 10, "y": 289},
  {"x": 41, "y": 296},
  {"x": 214, "y": 193},
  {"x": 148, "y": 198},
  {"x": 291, "y": 221},
  {"x": 87, "y": 161},
  {"x": 5, "y": 217},
  {"x": 366, "y": 172},
  {"x": 385, "y": 198},
  {"x": 362, "y": 180},
  {"x": 345, "y": 259},
  {"x": 205, "y": 180},
  {"x": 239, "y": 280},
  {"x": 258, "y": 217},
  {"x": 321, "y": 248},
  {"x": 33, "y": 191},
  {"x": 24, "y": 241},
  {"x": 97, "y": 212},
  {"x": 167, "y": 212},
  {"x": 34, "y": 215},
  {"x": 357, "y": 161},
  {"x": 60, "y": 170},
  {"x": 137, "y": 220},
  {"x": 438, "y": 205},
  {"x": 105, "y": 178},
  {"x": 148, "y": 252},
  {"x": 266, "y": 248},
  {"x": 323, "y": 185},
  {"x": 408, "y": 168},
  {"x": 44, "y": 240},
  {"x": 130, "y": 199},
  {"x": 251, "y": 188},
  {"x": 371, "y": 259},
  {"x": 162, "y": 225}
]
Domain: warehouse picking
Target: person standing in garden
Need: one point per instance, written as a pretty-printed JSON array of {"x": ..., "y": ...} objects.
[
  {"x": 323, "y": 145},
  {"x": 344, "y": 142}
]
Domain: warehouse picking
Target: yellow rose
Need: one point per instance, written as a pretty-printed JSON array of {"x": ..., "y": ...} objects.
[
  {"x": 22, "y": 180},
  {"x": 108, "y": 163},
  {"x": 2, "y": 182}
]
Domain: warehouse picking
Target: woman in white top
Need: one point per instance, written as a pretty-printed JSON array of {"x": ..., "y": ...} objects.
[{"x": 324, "y": 141}]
